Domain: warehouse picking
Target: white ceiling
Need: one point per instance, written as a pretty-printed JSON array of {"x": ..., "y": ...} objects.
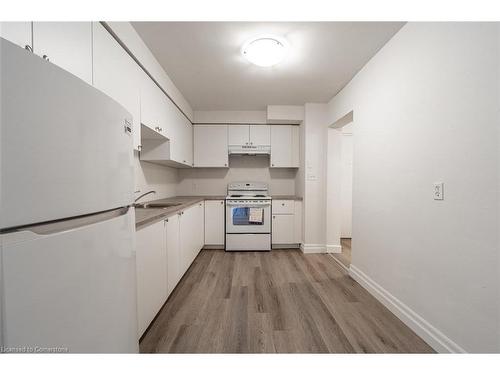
[{"x": 204, "y": 61}]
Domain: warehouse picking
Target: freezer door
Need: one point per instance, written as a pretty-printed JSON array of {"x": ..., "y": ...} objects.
[
  {"x": 71, "y": 286},
  {"x": 64, "y": 146}
]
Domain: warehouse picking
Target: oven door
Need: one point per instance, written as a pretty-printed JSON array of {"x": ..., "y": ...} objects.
[{"x": 248, "y": 217}]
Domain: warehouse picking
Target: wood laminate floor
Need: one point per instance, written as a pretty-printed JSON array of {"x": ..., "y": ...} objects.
[
  {"x": 274, "y": 302},
  {"x": 345, "y": 255}
]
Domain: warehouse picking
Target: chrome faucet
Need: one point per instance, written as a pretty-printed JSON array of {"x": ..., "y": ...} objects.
[{"x": 143, "y": 195}]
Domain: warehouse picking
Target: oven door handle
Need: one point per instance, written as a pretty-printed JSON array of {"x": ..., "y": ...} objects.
[{"x": 249, "y": 205}]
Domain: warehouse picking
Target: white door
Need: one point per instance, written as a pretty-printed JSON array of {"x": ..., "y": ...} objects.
[
  {"x": 151, "y": 273},
  {"x": 174, "y": 272},
  {"x": 238, "y": 135},
  {"x": 260, "y": 135},
  {"x": 17, "y": 32},
  {"x": 66, "y": 44},
  {"x": 210, "y": 146},
  {"x": 72, "y": 284},
  {"x": 214, "y": 222},
  {"x": 117, "y": 75},
  {"x": 283, "y": 228}
]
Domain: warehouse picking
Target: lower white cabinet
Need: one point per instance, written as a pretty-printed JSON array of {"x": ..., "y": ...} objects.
[
  {"x": 151, "y": 266},
  {"x": 174, "y": 270},
  {"x": 214, "y": 222},
  {"x": 286, "y": 222}
]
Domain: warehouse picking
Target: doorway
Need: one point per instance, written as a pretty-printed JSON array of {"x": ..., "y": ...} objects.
[{"x": 339, "y": 189}]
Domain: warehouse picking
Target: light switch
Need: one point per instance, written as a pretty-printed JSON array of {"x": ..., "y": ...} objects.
[{"x": 438, "y": 191}]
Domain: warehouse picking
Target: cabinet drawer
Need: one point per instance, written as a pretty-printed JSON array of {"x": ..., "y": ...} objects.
[{"x": 283, "y": 207}]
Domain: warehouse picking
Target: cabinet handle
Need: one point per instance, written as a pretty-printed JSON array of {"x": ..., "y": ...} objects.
[
  {"x": 274, "y": 217},
  {"x": 282, "y": 204},
  {"x": 28, "y": 48},
  {"x": 166, "y": 220},
  {"x": 222, "y": 202},
  {"x": 225, "y": 164},
  {"x": 272, "y": 165},
  {"x": 45, "y": 57}
]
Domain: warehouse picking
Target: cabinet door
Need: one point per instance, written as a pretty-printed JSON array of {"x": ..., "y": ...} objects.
[
  {"x": 187, "y": 223},
  {"x": 210, "y": 146},
  {"x": 151, "y": 265},
  {"x": 17, "y": 32},
  {"x": 214, "y": 222},
  {"x": 281, "y": 146},
  {"x": 297, "y": 217},
  {"x": 284, "y": 146},
  {"x": 181, "y": 136},
  {"x": 117, "y": 75},
  {"x": 174, "y": 272},
  {"x": 200, "y": 228},
  {"x": 153, "y": 106},
  {"x": 238, "y": 135},
  {"x": 260, "y": 135},
  {"x": 66, "y": 44},
  {"x": 282, "y": 232}
]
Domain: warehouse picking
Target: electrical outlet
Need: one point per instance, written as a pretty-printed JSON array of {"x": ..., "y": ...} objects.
[{"x": 438, "y": 191}]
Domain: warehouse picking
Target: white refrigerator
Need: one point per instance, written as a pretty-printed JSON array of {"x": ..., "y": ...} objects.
[{"x": 67, "y": 255}]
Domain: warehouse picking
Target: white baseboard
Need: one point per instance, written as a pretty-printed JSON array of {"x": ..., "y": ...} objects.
[
  {"x": 312, "y": 248},
  {"x": 430, "y": 334},
  {"x": 335, "y": 249},
  {"x": 339, "y": 262}
]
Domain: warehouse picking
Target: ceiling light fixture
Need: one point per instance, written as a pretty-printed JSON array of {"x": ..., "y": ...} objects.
[{"x": 265, "y": 51}]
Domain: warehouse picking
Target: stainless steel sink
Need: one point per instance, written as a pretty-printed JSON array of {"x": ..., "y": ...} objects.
[{"x": 157, "y": 205}]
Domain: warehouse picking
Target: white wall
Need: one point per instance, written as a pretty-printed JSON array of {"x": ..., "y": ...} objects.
[
  {"x": 315, "y": 148},
  {"x": 346, "y": 152},
  {"x": 213, "y": 181},
  {"x": 149, "y": 176},
  {"x": 427, "y": 109},
  {"x": 230, "y": 117}
]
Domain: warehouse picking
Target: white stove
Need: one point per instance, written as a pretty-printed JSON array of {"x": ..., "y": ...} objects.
[{"x": 248, "y": 217}]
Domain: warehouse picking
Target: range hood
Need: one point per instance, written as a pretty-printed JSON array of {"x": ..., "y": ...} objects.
[{"x": 249, "y": 150}]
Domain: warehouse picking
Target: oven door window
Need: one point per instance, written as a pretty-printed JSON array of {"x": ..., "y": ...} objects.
[{"x": 247, "y": 216}]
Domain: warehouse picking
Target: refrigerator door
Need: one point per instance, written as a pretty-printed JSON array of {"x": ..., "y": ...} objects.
[
  {"x": 65, "y": 149},
  {"x": 71, "y": 285}
]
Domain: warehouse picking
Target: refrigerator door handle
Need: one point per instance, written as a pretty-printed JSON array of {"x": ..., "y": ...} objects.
[{"x": 74, "y": 223}]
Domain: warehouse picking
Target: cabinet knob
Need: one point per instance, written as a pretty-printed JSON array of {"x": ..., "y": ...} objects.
[
  {"x": 222, "y": 202},
  {"x": 272, "y": 165},
  {"x": 28, "y": 48},
  {"x": 282, "y": 204},
  {"x": 45, "y": 57},
  {"x": 225, "y": 164},
  {"x": 274, "y": 217}
]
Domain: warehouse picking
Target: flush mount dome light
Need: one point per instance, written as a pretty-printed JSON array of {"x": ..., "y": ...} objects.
[{"x": 265, "y": 51}]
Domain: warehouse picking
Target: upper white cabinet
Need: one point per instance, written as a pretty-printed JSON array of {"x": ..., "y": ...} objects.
[
  {"x": 117, "y": 75},
  {"x": 66, "y": 44},
  {"x": 181, "y": 141},
  {"x": 214, "y": 222},
  {"x": 285, "y": 146},
  {"x": 19, "y": 33},
  {"x": 153, "y": 107},
  {"x": 238, "y": 135},
  {"x": 210, "y": 146},
  {"x": 260, "y": 135},
  {"x": 249, "y": 135}
]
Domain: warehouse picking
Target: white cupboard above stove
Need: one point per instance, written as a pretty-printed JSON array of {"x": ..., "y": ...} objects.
[
  {"x": 249, "y": 139},
  {"x": 210, "y": 146}
]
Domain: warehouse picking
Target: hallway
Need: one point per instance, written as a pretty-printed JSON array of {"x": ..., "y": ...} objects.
[{"x": 274, "y": 302}]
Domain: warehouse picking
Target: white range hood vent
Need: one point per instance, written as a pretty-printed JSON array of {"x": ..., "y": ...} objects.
[{"x": 249, "y": 150}]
